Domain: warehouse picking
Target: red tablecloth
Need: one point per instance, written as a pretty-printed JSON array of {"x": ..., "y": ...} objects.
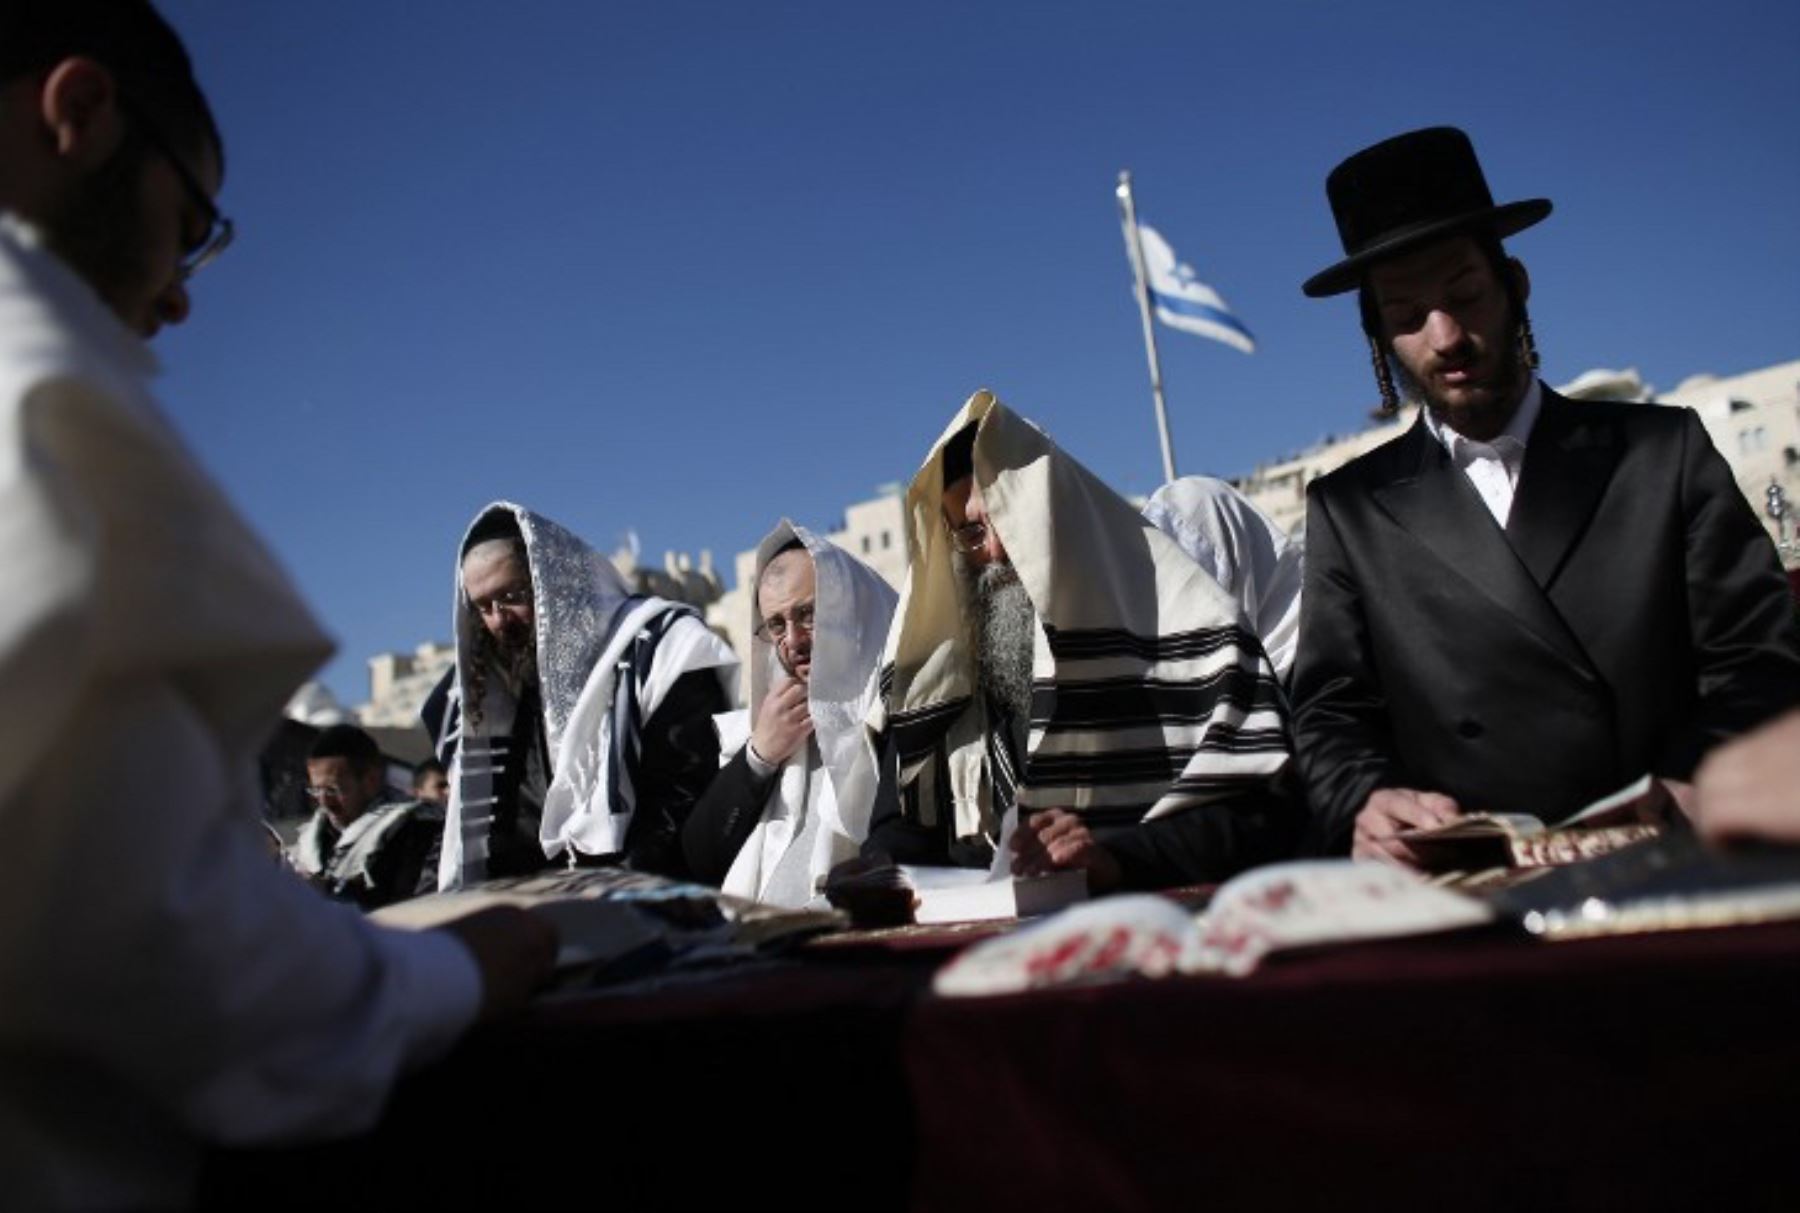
[{"x": 1469, "y": 1072}]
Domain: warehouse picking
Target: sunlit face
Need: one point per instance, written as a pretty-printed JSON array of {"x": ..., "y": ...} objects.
[
  {"x": 1445, "y": 314},
  {"x": 785, "y": 599},
  {"x": 498, "y": 586},
  {"x": 334, "y": 785},
  {"x": 973, "y": 533}
]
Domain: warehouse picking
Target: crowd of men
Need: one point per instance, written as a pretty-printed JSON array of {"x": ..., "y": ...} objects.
[{"x": 1521, "y": 604}]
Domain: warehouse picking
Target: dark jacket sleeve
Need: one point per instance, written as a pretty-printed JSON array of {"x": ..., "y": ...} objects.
[
  {"x": 1342, "y": 746},
  {"x": 400, "y": 868},
  {"x": 723, "y": 817},
  {"x": 678, "y": 761},
  {"x": 1746, "y": 638},
  {"x": 894, "y": 835},
  {"x": 1205, "y": 845}
]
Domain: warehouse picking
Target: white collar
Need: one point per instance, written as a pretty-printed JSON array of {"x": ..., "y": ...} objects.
[
  {"x": 72, "y": 295},
  {"x": 1464, "y": 450}
]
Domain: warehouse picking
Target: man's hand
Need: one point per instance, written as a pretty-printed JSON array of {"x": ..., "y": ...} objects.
[
  {"x": 784, "y": 723},
  {"x": 515, "y": 951},
  {"x": 1750, "y": 788},
  {"x": 1053, "y": 839},
  {"x": 1387, "y": 811}
]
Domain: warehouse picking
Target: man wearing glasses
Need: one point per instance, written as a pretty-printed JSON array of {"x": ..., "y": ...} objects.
[
  {"x": 361, "y": 845},
  {"x": 577, "y": 721},
  {"x": 1066, "y": 688},
  {"x": 165, "y": 984},
  {"x": 793, "y": 800}
]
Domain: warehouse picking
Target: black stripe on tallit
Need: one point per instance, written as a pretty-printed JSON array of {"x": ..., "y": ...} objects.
[
  {"x": 1088, "y": 643},
  {"x": 916, "y": 732},
  {"x": 1143, "y": 764},
  {"x": 1134, "y": 702}
]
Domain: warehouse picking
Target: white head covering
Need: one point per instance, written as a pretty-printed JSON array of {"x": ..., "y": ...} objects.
[
  {"x": 1250, "y": 557},
  {"x": 819, "y": 817},
  {"x": 585, "y": 619},
  {"x": 1150, "y": 694}
]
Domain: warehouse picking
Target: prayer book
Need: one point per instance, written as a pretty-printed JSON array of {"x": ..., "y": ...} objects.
[
  {"x": 1491, "y": 840},
  {"x": 1281, "y": 907},
  {"x": 971, "y": 895}
]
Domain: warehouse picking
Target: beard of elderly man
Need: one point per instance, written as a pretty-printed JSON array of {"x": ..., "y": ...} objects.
[{"x": 1046, "y": 840}]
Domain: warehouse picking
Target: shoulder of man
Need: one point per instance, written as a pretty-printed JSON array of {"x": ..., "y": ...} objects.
[{"x": 1395, "y": 457}]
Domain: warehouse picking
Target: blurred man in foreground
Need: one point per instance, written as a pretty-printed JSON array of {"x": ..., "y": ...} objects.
[{"x": 165, "y": 984}]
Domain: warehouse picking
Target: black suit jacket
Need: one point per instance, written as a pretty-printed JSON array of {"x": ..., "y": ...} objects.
[{"x": 1632, "y": 614}]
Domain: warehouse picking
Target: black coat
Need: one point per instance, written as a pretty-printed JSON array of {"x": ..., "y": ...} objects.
[{"x": 1632, "y": 614}]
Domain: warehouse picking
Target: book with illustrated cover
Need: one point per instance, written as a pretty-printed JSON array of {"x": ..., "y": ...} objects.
[{"x": 1496, "y": 840}]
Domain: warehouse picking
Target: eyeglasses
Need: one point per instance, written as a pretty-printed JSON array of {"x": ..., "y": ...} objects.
[
  {"x": 324, "y": 791},
  {"x": 775, "y": 628},
  {"x": 970, "y": 537},
  {"x": 514, "y": 599},
  {"x": 219, "y": 229}
]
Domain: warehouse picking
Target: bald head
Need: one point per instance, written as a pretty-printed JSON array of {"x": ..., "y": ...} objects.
[{"x": 784, "y": 598}]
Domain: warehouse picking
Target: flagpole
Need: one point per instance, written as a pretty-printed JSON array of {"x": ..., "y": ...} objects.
[{"x": 1143, "y": 293}]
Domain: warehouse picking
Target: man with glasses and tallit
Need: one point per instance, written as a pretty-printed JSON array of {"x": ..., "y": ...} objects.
[
  {"x": 793, "y": 799},
  {"x": 1064, "y": 685},
  {"x": 577, "y": 721}
]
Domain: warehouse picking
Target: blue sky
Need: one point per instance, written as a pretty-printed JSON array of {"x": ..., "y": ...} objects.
[{"x": 684, "y": 268}]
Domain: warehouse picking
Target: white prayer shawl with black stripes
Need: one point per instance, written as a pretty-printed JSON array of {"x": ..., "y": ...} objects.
[
  {"x": 590, "y": 630},
  {"x": 1150, "y": 692},
  {"x": 819, "y": 813},
  {"x": 1251, "y": 558}
]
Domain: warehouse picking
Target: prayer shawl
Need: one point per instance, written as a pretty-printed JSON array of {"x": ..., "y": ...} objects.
[
  {"x": 1250, "y": 557},
  {"x": 594, "y": 638},
  {"x": 819, "y": 813},
  {"x": 1150, "y": 693},
  {"x": 353, "y": 856}
]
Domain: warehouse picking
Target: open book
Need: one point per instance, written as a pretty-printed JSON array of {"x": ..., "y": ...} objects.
[
  {"x": 1491, "y": 840},
  {"x": 607, "y": 916},
  {"x": 888, "y": 894},
  {"x": 1272, "y": 909},
  {"x": 973, "y": 895}
]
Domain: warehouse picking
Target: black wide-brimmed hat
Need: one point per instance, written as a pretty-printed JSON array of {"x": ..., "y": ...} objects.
[{"x": 1408, "y": 191}]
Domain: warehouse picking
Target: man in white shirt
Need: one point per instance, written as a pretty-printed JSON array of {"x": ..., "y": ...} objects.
[
  {"x": 1523, "y": 603},
  {"x": 166, "y": 983}
]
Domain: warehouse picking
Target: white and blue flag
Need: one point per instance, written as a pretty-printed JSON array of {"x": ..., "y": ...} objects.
[{"x": 1181, "y": 300}]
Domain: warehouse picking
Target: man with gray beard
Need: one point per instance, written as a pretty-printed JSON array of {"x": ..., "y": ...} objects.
[{"x": 1082, "y": 678}]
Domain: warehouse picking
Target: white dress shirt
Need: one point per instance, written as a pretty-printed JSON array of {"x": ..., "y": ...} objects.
[
  {"x": 1493, "y": 467},
  {"x": 163, "y": 982}
]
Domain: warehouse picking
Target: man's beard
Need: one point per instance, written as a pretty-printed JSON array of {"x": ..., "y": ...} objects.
[
  {"x": 514, "y": 658},
  {"x": 1485, "y": 418},
  {"x": 99, "y": 230},
  {"x": 1003, "y": 648}
]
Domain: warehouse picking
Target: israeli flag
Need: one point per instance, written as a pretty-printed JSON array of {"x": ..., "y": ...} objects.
[{"x": 1184, "y": 302}]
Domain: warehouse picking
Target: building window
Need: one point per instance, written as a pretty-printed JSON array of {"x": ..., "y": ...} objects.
[
  {"x": 887, "y": 540},
  {"x": 867, "y": 546},
  {"x": 1741, "y": 406}
]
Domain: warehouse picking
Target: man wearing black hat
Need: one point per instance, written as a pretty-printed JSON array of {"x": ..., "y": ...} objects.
[{"x": 1523, "y": 603}]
